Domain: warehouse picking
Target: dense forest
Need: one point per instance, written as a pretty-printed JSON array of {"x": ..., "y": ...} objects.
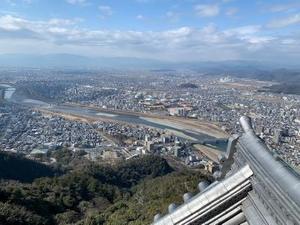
[{"x": 87, "y": 193}]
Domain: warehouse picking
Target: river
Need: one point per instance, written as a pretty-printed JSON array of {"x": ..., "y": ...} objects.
[
  {"x": 186, "y": 134},
  {"x": 192, "y": 136}
]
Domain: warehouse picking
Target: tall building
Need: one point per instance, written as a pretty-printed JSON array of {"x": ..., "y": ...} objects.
[{"x": 277, "y": 136}]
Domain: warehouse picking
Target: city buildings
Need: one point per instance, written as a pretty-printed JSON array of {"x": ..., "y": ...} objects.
[{"x": 219, "y": 100}]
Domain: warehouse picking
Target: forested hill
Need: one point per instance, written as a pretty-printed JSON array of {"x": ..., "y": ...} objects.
[
  {"x": 130, "y": 193},
  {"x": 15, "y": 167}
]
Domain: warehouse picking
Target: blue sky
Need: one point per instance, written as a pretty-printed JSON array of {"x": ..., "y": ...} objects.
[{"x": 176, "y": 30}]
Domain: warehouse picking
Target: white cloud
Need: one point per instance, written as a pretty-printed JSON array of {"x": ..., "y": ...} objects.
[
  {"x": 250, "y": 36},
  {"x": 57, "y": 30},
  {"x": 289, "y": 41},
  {"x": 244, "y": 30},
  {"x": 284, "y": 22},
  {"x": 62, "y": 22},
  {"x": 183, "y": 43},
  {"x": 11, "y": 23},
  {"x": 78, "y": 2},
  {"x": 207, "y": 10}
]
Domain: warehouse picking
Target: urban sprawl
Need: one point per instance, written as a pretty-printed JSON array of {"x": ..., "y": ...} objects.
[{"x": 30, "y": 125}]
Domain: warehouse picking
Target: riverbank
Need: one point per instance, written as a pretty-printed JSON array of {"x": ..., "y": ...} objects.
[
  {"x": 191, "y": 126},
  {"x": 194, "y": 131},
  {"x": 188, "y": 124}
]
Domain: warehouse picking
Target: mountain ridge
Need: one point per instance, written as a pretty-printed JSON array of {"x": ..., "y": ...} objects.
[{"x": 78, "y": 61}]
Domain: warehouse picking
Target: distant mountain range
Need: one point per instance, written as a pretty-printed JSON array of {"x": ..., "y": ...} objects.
[
  {"x": 75, "y": 61},
  {"x": 81, "y": 62}
]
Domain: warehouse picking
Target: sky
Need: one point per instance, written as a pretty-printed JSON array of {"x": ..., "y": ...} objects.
[{"x": 169, "y": 30}]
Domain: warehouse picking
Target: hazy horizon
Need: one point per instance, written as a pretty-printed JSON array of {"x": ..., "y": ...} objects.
[{"x": 65, "y": 61}]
